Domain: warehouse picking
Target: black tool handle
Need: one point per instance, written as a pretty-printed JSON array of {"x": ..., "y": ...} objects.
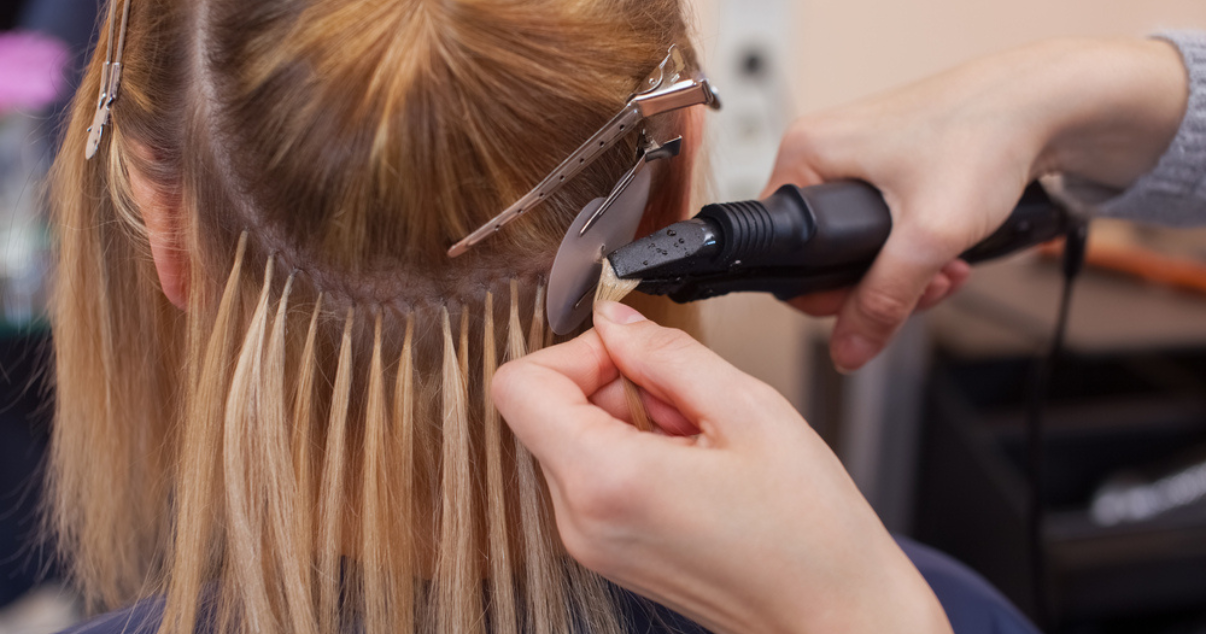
[{"x": 806, "y": 239}]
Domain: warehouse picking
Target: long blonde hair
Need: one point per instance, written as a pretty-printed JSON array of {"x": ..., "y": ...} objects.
[{"x": 310, "y": 446}]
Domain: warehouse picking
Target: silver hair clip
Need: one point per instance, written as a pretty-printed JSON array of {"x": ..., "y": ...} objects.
[
  {"x": 110, "y": 78},
  {"x": 667, "y": 89}
]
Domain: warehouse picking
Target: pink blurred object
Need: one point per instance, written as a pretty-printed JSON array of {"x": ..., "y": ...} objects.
[{"x": 31, "y": 70}]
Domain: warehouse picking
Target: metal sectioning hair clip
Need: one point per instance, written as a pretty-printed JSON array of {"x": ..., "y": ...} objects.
[
  {"x": 110, "y": 77},
  {"x": 667, "y": 88}
]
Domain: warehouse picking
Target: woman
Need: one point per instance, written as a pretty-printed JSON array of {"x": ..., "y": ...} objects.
[{"x": 271, "y": 411}]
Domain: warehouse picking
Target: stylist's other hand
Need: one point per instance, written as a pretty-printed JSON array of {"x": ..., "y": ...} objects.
[
  {"x": 750, "y": 526},
  {"x": 953, "y": 153}
]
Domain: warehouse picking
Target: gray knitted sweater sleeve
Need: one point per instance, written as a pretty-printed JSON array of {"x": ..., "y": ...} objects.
[{"x": 1174, "y": 193}]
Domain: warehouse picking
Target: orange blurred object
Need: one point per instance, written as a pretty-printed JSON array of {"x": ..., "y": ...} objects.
[{"x": 1184, "y": 273}]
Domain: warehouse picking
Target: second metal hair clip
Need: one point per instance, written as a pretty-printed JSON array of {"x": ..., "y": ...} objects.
[{"x": 110, "y": 77}]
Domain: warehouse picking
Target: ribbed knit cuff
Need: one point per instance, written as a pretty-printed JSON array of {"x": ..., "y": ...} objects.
[
  {"x": 1182, "y": 170},
  {"x": 1174, "y": 193}
]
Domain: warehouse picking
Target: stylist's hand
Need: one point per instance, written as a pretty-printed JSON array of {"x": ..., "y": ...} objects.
[
  {"x": 953, "y": 153},
  {"x": 750, "y": 526}
]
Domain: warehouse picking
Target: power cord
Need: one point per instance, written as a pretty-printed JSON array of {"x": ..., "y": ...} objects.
[{"x": 1073, "y": 261}]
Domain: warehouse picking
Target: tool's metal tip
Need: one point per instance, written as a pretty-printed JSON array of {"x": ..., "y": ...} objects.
[
  {"x": 579, "y": 261},
  {"x": 680, "y": 249}
]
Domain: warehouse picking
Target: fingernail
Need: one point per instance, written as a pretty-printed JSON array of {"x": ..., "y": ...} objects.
[
  {"x": 618, "y": 313},
  {"x": 851, "y": 352}
]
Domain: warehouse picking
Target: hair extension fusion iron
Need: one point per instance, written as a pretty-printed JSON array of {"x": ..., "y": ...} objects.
[{"x": 799, "y": 240}]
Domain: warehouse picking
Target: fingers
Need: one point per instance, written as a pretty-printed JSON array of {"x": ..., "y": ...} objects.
[
  {"x": 946, "y": 283},
  {"x": 544, "y": 396},
  {"x": 559, "y": 401},
  {"x": 815, "y": 149},
  {"x": 822, "y": 304},
  {"x": 791, "y": 166},
  {"x": 959, "y": 272},
  {"x": 566, "y": 405},
  {"x": 883, "y": 300},
  {"x": 680, "y": 371},
  {"x": 666, "y": 417}
]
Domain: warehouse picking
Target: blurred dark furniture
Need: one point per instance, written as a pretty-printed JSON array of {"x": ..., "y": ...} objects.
[
  {"x": 25, "y": 412},
  {"x": 1130, "y": 391}
]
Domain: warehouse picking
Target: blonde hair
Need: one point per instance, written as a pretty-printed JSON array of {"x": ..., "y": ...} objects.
[
  {"x": 613, "y": 289},
  {"x": 310, "y": 446}
]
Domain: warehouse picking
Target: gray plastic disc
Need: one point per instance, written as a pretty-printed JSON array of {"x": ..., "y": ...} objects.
[{"x": 580, "y": 259}]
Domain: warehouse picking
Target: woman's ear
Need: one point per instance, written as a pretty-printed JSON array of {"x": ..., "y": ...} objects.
[{"x": 160, "y": 211}]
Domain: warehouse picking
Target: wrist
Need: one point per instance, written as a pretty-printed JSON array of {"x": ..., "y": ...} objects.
[
  {"x": 908, "y": 607},
  {"x": 1108, "y": 108},
  {"x": 879, "y": 590},
  {"x": 901, "y": 602}
]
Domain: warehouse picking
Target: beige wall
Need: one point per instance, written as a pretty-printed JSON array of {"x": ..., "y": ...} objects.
[
  {"x": 848, "y": 48},
  {"x": 844, "y": 49}
]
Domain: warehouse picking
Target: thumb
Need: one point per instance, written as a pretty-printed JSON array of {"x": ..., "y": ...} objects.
[
  {"x": 884, "y": 299},
  {"x": 680, "y": 371}
]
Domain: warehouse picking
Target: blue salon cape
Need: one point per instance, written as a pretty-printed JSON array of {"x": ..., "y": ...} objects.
[{"x": 971, "y": 603}]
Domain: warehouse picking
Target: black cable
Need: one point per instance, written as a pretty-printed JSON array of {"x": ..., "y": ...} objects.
[{"x": 1073, "y": 261}]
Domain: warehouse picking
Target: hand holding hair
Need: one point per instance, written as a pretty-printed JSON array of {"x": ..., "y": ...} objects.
[
  {"x": 751, "y": 525},
  {"x": 953, "y": 153}
]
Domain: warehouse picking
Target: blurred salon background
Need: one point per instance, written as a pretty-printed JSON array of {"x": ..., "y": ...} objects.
[{"x": 932, "y": 432}]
